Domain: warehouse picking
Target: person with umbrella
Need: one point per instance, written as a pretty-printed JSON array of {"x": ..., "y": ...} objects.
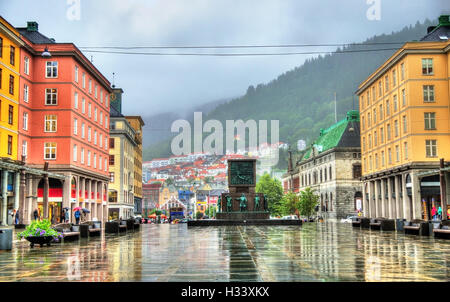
[
  {"x": 77, "y": 215},
  {"x": 66, "y": 215}
]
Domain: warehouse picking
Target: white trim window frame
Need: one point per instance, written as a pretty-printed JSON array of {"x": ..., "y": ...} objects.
[
  {"x": 25, "y": 121},
  {"x": 50, "y": 123},
  {"x": 50, "y": 151},
  {"x": 51, "y": 69},
  {"x": 26, "y": 65},
  {"x": 51, "y": 96}
]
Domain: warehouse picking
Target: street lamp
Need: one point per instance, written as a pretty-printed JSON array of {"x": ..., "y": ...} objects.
[{"x": 46, "y": 53}]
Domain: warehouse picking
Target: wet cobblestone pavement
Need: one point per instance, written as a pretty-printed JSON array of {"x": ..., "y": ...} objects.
[{"x": 313, "y": 252}]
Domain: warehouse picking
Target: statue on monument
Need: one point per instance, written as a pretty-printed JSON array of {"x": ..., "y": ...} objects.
[
  {"x": 256, "y": 205},
  {"x": 266, "y": 206},
  {"x": 229, "y": 203},
  {"x": 219, "y": 204},
  {"x": 243, "y": 203}
]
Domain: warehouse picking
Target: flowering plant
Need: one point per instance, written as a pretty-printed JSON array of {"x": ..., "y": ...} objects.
[{"x": 40, "y": 229}]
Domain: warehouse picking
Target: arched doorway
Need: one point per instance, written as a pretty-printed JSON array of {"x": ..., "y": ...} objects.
[
  {"x": 55, "y": 196},
  {"x": 358, "y": 201}
]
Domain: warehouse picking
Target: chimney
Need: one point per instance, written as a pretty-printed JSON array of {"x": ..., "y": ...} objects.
[{"x": 32, "y": 26}]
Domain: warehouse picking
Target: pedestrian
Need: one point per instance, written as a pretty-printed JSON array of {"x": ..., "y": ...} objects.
[
  {"x": 66, "y": 216},
  {"x": 77, "y": 216},
  {"x": 439, "y": 212},
  {"x": 13, "y": 213},
  {"x": 17, "y": 217},
  {"x": 35, "y": 214},
  {"x": 433, "y": 212},
  {"x": 63, "y": 216}
]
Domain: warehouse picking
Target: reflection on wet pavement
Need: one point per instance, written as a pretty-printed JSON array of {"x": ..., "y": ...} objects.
[{"x": 313, "y": 252}]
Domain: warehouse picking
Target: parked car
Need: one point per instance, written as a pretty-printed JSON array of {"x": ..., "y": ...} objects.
[{"x": 349, "y": 219}]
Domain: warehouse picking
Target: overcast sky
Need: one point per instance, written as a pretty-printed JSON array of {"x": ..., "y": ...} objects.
[{"x": 169, "y": 83}]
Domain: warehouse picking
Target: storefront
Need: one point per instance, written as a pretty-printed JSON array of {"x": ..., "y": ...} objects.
[
  {"x": 55, "y": 199},
  {"x": 430, "y": 192}
]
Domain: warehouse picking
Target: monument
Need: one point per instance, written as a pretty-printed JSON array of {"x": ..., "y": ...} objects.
[{"x": 242, "y": 205}]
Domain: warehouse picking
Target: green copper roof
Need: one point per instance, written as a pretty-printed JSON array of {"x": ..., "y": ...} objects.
[{"x": 330, "y": 138}]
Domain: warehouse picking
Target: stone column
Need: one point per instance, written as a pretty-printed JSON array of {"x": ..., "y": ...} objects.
[
  {"x": 45, "y": 196},
  {"x": 405, "y": 201},
  {"x": 365, "y": 203},
  {"x": 397, "y": 197},
  {"x": 67, "y": 191},
  {"x": 28, "y": 208},
  {"x": 383, "y": 198},
  {"x": 377, "y": 208},
  {"x": 17, "y": 191},
  {"x": 94, "y": 205},
  {"x": 416, "y": 196},
  {"x": 370, "y": 201},
  {"x": 4, "y": 197},
  {"x": 34, "y": 192},
  {"x": 22, "y": 188},
  {"x": 390, "y": 200}
]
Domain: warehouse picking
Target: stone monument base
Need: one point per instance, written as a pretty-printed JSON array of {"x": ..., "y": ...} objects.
[
  {"x": 261, "y": 222},
  {"x": 242, "y": 215}
]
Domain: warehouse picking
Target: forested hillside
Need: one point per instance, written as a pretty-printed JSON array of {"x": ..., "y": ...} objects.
[{"x": 302, "y": 99}]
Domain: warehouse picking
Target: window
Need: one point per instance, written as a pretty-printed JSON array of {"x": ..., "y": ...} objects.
[
  {"x": 10, "y": 114},
  {"x": 406, "y": 150},
  {"x": 395, "y": 103},
  {"x": 106, "y": 122},
  {"x": 375, "y": 115},
  {"x": 111, "y": 160},
  {"x": 10, "y": 144},
  {"x": 89, "y": 134},
  {"x": 427, "y": 66},
  {"x": 75, "y": 126},
  {"x": 375, "y": 138},
  {"x": 382, "y": 135},
  {"x": 90, "y": 86},
  {"x": 394, "y": 78},
  {"x": 95, "y": 161},
  {"x": 75, "y": 152},
  {"x": 388, "y": 108},
  {"x": 101, "y": 140},
  {"x": 76, "y": 74},
  {"x": 111, "y": 176},
  {"x": 389, "y": 156},
  {"x": 0, "y": 78},
  {"x": 397, "y": 153},
  {"x": 106, "y": 166},
  {"x": 370, "y": 163},
  {"x": 51, "y": 96},
  {"x": 83, "y": 105},
  {"x": 101, "y": 96},
  {"x": 428, "y": 93},
  {"x": 396, "y": 128},
  {"x": 106, "y": 143},
  {"x": 12, "y": 55},
  {"x": 368, "y": 98},
  {"x": 402, "y": 68},
  {"x": 50, "y": 123},
  {"x": 368, "y": 120},
  {"x": 82, "y": 156},
  {"x": 374, "y": 93},
  {"x": 25, "y": 121},
  {"x": 50, "y": 151},
  {"x": 376, "y": 160},
  {"x": 430, "y": 120},
  {"x": 386, "y": 83},
  {"x": 89, "y": 158},
  {"x": 96, "y": 95},
  {"x": 382, "y": 159},
  {"x": 26, "y": 65},
  {"x": 111, "y": 143},
  {"x": 106, "y": 101},
  {"x": 95, "y": 137},
  {"x": 75, "y": 100},
  {"x": 363, "y": 122},
  {"x": 380, "y": 88},
  {"x": 95, "y": 114},
  {"x": 89, "y": 110},
  {"x": 405, "y": 126},
  {"x": 431, "y": 147},
  {"x": 25, "y": 93},
  {"x": 24, "y": 148},
  {"x": 52, "y": 69},
  {"x": 99, "y": 162},
  {"x": 101, "y": 118},
  {"x": 82, "y": 130},
  {"x": 403, "y": 97},
  {"x": 11, "y": 84},
  {"x": 388, "y": 131},
  {"x": 83, "y": 79},
  {"x": 370, "y": 141}
]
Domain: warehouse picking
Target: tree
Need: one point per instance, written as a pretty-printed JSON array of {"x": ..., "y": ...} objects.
[
  {"x": 273, "y": 190},
  {"x": 290, "y": 203},
  {"x": 308, "y": 201}
]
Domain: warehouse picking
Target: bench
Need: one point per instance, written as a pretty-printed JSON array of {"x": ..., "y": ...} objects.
[
  {"x": 375, "y": 223},
  {"x": 70, "y": 232},
  {"x": 387, "y": 225},
  {"x": 122, "y": 225},
  {"x": 416, "y": 227},
  {"x": 443, "y": 230},
  {"x": 90, "y": 228}
]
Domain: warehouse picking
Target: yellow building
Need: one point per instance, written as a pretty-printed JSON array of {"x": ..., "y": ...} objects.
[
  {"x": 405, "y": 130},
  {"x": 121, "y": 162},
  {"x": 137, "y": 123},
  {"x": 10, "y": 44}
]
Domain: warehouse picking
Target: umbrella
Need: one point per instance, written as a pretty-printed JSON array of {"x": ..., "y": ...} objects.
[
  {"x": 77, "y": 209},
  {"x": 86, "y": 210},
  {"x": 163, "y": 216},
  {"x": 152, "y": 216}
]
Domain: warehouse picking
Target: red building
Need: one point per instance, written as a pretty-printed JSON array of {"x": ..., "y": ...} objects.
[{"x": 63, "y": 120}]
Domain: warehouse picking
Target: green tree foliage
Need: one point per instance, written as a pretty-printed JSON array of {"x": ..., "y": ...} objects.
[
  {"x": 273, "y": 190},
  {"x": 290, "y": 203},
  {"x": 302, "y": 99},
  {"x": 308, "y": 200}
]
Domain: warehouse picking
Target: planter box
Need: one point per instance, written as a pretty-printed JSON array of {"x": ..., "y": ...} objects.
[{"x": 41, "y": 240}]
